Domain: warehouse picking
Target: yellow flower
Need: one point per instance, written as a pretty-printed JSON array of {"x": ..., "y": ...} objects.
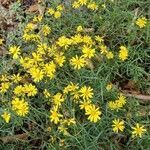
[
  {"x": 118, "y": 125},
  {"x": 57, "y": 14},
  {"x": 70, "y": 88},
  {"x": 99, "y": 38},
  {"x": 36, "y": 74},
  {"x": 66, "y": 90},
  {"x": 30, "y": 89},
  {"x": 53, "y": 50},
  {"x": 71, "y": 121},
  {"x": 29, "y": 27},
  {"x": 82, "y": 2},
  {"x": 109, "y": 86},
  {"x": 55, "y": 116},
  {"x": 46, "y": 30},
  {"x": 1, "y": 41},
  {"x": 4, "y": 78},
  {"x": 42, "y": 48},
  {"x": 31, "y": 37},
  {"x": 92, "y": 6},
  {"x": 121, "y": 101},
  {"x": 60, "y": 59},
  {"x": 73, "y": 87},
  {"x": 141, "y": 22},
  {"x": 103, "y": 49},
  {"x": 19, "y": 90},
  {"x": 36, "y": 57},
  {"x": 16, "y": 78},
  {"x": 79, "y": 29},
  {"x": 46, "y": 93},
  {"x": 76, "y": 96},
  {"x": 123, "y": 53},
  {"x": 51, "y": 11},
  {"x": 88, "y": 52},
  {"x": 113, "y": 105},
  {"x": 63, "y": 41},
  {"x": 50, "y": 69},
  {"x": 85, "y": 104},
  {"x": 37, "y": 18},
  {"x": 77, "y": 62},
  {"x": 6, "y": 117},
  {"x": 110, "y": 55},
  {"x": 88, "y": 40},
  {"x": 94, "y": 113},
  {"x": 4, "y": 87},
  {"x": 138, "y": 130},
  {"x": 58, "y": 99},
  {"x": 77, "y": 39},
  {"x": 117, "y": 104},
  {"x": 15, "y": 51},
  {"x": 103, "y": 6},
  {"x": 76, "y": 4},
  {"x": 27, "y": 62},
  {"x": 20, "y": 107},
  {"x": 59, "y": 7},
  {"x": 63, "y": 129},
  {"x": 26, "y": 37},
  {"x": 86, "y": 92}
]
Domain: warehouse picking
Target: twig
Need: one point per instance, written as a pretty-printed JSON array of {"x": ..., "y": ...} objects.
[
  {"x": 143, "y": 98},
  {"x": 13, "y": 138}
]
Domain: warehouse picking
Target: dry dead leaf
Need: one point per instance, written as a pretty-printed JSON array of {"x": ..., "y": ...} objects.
[
  {"x": 131, "y": 86},
  {"x": 36, "y": 8},
  {"x": 33, "y": 8},
  {"x": 26, "y": 80},
  {"x": 5, "y": 2},
  {"x": 41, "y": 9}
]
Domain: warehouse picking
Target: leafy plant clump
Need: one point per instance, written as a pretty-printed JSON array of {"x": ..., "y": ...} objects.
[{"x": 66, "y": 74}]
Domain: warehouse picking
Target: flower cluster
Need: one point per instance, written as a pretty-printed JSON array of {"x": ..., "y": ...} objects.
[
  {"x": 28, "y": 89},
  {"x": 81, "y": 97},
  {"x": 137, "y": 131},
  {"x": 117, "y": 104},
  {"x": 20, "y": 106},
  {"x": 56, "y": 13},
  {"x": 89, "y": 4},
  {"x": 41, "y": 58}
]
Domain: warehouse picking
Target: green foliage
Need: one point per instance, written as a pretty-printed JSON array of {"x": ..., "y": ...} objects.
[{"x": 116, "y": 23}]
